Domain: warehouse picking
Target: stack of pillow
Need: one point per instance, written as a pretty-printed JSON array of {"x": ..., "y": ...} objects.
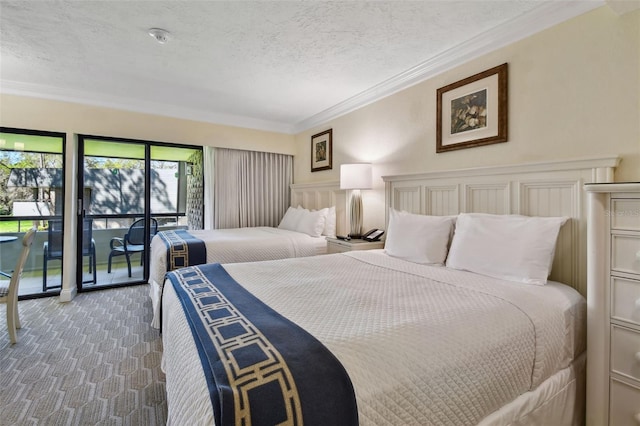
[
  {"x": 510, "y": 247},
  {"x": 311, "y": 222}
]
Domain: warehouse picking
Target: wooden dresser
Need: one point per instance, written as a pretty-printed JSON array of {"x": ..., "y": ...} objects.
[{"x": 613, "y": 304}]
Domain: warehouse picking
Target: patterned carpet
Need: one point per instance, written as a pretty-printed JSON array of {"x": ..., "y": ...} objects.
[{"x": 94, "y": 361}]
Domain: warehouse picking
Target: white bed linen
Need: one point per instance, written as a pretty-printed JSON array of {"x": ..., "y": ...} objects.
[
  {"x": 422, "y": 344},
  {"x": 559, "y": 400},
  {"x": 233, "y": 246}
]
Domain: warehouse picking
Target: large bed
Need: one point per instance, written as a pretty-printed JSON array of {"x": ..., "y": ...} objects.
[
  {"x": 421, "y": 343},
  {"x": 170, "y": 249}
]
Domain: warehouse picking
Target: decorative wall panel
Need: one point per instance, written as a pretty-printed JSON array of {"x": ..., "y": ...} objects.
[
  {"x": 316, "y": 196},
  {"x": 442, "y": 200},
  {"x": 491, "y": 198},
  {"x": 532, "y": 189}
]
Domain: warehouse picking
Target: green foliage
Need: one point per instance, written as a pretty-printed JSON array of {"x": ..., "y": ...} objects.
[
  {"x": 9, "y": 226},
  {"x": 21, "y": 160},
  {"x": 29, "y": 160}
]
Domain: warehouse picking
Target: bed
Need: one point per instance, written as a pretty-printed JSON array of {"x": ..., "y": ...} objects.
[
  {"x": 177, "y": 248},
  {"x": 423, "y": 343}
]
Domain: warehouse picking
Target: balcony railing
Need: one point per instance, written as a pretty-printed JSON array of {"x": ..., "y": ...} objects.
[{"x": 104, "y": 229}]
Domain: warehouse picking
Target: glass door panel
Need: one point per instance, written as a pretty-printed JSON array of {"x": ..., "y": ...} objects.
[
  {"x": 175, "y": 185},
  {"x": 114, "y": 211},
  {"x": 32, "y": 194}
]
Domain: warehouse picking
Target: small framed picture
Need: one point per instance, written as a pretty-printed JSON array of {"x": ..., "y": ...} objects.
[
  {"x": 321, "y": 151},
  {"x": 474, "y": 111}
]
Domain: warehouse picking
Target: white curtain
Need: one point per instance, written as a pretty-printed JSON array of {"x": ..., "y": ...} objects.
[
  {"x": 208, "y": 161},
  {"x": 246, "y": 188}
]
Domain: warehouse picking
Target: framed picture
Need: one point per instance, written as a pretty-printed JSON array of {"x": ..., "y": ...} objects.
[
  {"x": 473, "y": 112},
  {"x": 321, "y": 151}
]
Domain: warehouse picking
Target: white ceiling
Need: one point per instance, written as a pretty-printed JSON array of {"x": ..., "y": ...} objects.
[{"x": 274, "y": 65}]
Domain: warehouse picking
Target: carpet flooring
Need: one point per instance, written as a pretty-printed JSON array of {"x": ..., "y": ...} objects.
[{"x": 93, "y": 361}]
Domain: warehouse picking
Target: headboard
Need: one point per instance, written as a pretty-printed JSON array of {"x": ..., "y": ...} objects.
[
  {"x": 532, "y": 189},
  {"x": 320, "y": 195}
]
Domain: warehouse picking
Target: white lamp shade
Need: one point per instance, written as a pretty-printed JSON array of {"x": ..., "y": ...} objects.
[{"x": 355, "y": 176}]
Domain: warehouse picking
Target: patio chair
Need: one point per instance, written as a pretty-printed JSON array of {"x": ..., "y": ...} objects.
[
  {"x": 9, "y": 293},
  {"x": 89, "y": 248},
  {"x": 52, "y": 249},
  {"x": 133, "y": 242}
]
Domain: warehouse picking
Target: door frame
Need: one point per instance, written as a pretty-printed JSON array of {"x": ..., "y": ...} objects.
[
  {"x": 147, "y": 202},
  {"x": 81, "y": 211}
]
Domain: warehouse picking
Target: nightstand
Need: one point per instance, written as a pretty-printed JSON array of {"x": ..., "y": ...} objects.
[{"x": 335, "y": 245}]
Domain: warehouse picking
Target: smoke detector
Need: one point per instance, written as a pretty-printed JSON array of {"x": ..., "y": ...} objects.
[{"x": 161, "y": 36}]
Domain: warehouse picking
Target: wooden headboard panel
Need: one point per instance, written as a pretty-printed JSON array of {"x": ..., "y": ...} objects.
[
  {"x": 533, "y": 189},
  {"x": 320, "y": 195}
]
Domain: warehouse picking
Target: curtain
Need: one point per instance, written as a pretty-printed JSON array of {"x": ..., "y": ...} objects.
[
  {"x": 209, "y": 179},
  {"x": 226, "y": 189},
  {"x": 246, "y": 188}
]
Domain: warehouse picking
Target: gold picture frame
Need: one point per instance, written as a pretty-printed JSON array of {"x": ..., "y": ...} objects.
[
  {"x": 322, "y": 151},
  {"x": 473, "y": 111}
]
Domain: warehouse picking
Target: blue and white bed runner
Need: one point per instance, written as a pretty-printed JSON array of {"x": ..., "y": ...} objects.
[
  {"x": 261, "y": 368},
  {"x": 183, "y": 249}
]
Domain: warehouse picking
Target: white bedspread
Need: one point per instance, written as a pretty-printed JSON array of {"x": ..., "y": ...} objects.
[
  {"x": 423, "y": 345},
  {"x": 234, "y": 246}
]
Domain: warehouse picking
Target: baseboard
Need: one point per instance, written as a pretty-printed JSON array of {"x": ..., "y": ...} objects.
[{"x": 67, "y": 294}]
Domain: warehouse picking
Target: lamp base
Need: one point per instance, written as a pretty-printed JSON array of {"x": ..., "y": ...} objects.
[{"x": 356, "y": 214}]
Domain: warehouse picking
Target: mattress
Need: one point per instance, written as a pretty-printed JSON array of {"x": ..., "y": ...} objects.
[
  {"x": 422, "y": 345},
  {"x": 233, "y": 246}
]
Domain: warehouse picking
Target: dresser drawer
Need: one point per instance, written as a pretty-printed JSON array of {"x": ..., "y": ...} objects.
[
  {"x": 625, "y": 214},
  {"x": 625, "y": 253},
  {"x": 624, "y": 408},
  {"x": 625, "y": 299},
  {"x": 625, "y": 352}
]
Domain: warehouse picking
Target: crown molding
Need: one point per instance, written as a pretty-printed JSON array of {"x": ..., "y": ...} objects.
[
  {"x": 544, "y": 16},
  {"x": 622, "y": 7},
  {"x": 137, "y": 105}
]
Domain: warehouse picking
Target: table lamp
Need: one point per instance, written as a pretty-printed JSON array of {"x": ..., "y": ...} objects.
[{"x": 355, "y": 177}]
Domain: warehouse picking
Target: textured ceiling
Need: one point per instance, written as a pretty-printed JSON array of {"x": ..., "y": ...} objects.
[{"x": 275, "y": 65}]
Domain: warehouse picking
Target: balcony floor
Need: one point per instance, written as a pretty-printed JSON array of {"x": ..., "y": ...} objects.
[{"x": 31, "y": 282}]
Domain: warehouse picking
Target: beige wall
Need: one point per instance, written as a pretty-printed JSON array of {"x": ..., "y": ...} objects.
[
  {"x": 41, "y": 114},
  {"x": 574, "y": 92}
]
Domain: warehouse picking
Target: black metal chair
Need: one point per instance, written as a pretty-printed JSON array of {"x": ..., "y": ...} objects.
[
  {"x": 133, "y": 242},
  {"x": 89, "y": 248},
  {"x": 52, "y": 249}
]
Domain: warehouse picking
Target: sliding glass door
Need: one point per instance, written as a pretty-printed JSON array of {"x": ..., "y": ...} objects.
[{"x": 129, "y": 191}]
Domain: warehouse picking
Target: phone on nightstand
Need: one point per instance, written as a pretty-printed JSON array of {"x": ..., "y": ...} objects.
[{"x": 373, "y": 235}]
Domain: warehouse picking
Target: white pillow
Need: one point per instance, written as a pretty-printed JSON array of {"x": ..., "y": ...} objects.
[
  {"x": 291, "y": 219},
  {"x": 312, "y": 223},
  {"x": 509, "y": 247},
  {"x": 418, "y": 238},
  {"x": 330, "y": 223}
]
